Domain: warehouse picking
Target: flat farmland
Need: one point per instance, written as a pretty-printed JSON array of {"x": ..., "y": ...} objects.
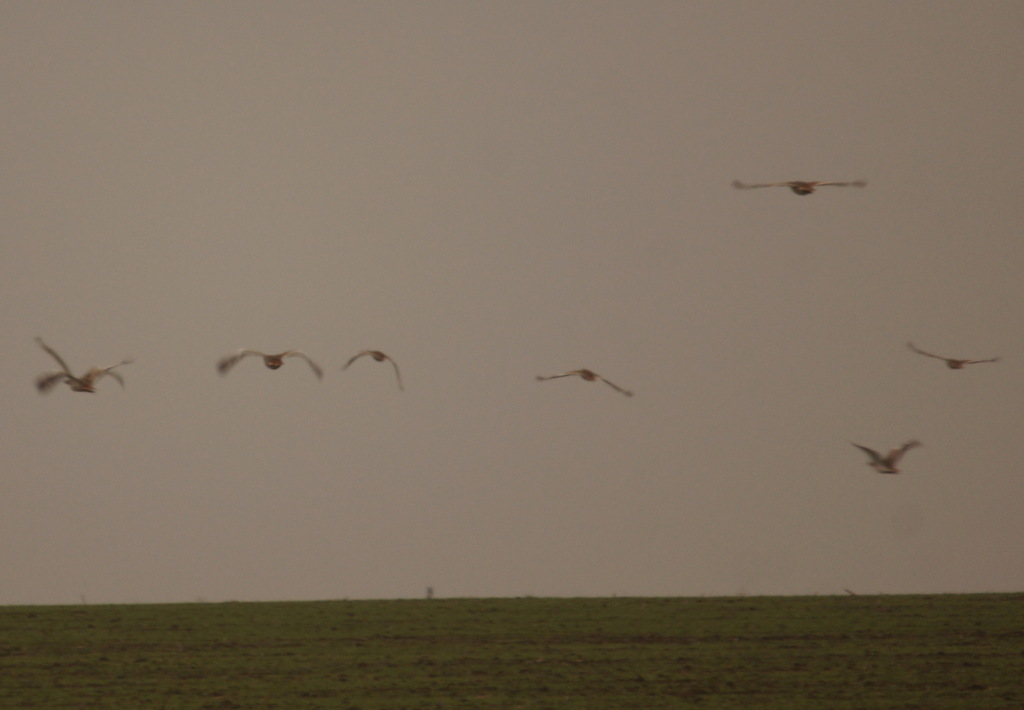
[{"x": 854, "y": 652}]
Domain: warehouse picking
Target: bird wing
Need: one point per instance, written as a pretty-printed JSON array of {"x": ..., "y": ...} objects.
[
  {"x": 115, "y": 375},
  {"x": 229, "y": 361},
  {"x": 354, "y": 358},
  {"x": 875, "y": 457},
  {"x": 975, "y": 362},
  {"x": 855, "y": 183},
  {"x": 541, "y": 378},
  {"x": 45, "y": 383},
  {"x": 919, "y": 351},
  {"x": 97, "y": 372},
  {"x": 55, "y": 356},
  {"x": 313, "y": 366},
  {"x": 896, "y": 454},
  {"x": 615, "y": 386},
  {"x": 398, "y": 375},
  {"x": 748, "y": 186}
]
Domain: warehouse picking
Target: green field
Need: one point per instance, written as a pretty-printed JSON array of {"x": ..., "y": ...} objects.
[{"x": 855, "y": 652}]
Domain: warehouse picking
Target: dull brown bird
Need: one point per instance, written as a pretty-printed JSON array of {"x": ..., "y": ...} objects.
[
  {"x": 379, "y": 357},
  {"x": 798, "y": 186},
  {"x": 951, "y": 362},
  {"x": 589, "y": 376},
  {"x": 887, "y": 463},
  {"x": 85, "y": 383},
  {"x": 271, "y": 361}
]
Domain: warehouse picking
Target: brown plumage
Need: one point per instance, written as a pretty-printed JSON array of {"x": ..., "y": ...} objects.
[
  {"x": 887, "y": 463},
  {"x": 951, "y": 362},
  {"x": 379, "y": 357},
  {"x": 85, "y": 383},
  {"x": 589, "y": 376},
  {"x": 271, "y": 361},
  {"x": 797, "y": 186}
]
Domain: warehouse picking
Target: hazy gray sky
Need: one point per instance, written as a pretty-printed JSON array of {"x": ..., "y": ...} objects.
[{"x": 488, "y": 192}]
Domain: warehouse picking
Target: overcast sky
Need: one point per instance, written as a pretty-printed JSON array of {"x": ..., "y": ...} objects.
[{"x": 488, "y": 192}]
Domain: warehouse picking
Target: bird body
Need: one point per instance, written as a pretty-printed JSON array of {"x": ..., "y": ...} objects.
[
  {"x": 951, "y": 362},
  {"x": 84, "y": 383},
  {"x": 379, "y": 357},
  {"x": 887, "y": 463},
  {"x": 799, "y": 187},
  {"x": 271, "y": 361},
  {"x": 589, "y": 376}
]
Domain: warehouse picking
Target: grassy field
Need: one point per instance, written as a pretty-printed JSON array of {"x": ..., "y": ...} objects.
[{"x": 850, "y": 652}]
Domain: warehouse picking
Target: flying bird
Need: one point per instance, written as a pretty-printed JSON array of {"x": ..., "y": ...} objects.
[
  {"x": 85, "y": 383},
  {"x": 887, "y": 463},
  {"x": 951, "y": 362},
  {"x": 271, "y": 361},
  {"x": 589, "y": 376},
  {"x": 798, "y": 186},
  {"x": 379, "y": 357}
]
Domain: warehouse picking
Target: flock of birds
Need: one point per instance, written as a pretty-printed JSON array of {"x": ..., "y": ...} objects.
[
  {"x": 887, "y": 463},
  {"x": 87, "y": 382}
]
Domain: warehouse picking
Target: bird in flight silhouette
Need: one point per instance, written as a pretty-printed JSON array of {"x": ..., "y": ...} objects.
[
  {"x": 887, "y": 463},
  {"x": 589, "y": 376},
  {"x": 84, "y": 383},
  {"x": 798, "y": 186},
  {"x": 379, "y": 357},
  {"x": 272, "y": 361},
  {"x": 951, "y": 362}
]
